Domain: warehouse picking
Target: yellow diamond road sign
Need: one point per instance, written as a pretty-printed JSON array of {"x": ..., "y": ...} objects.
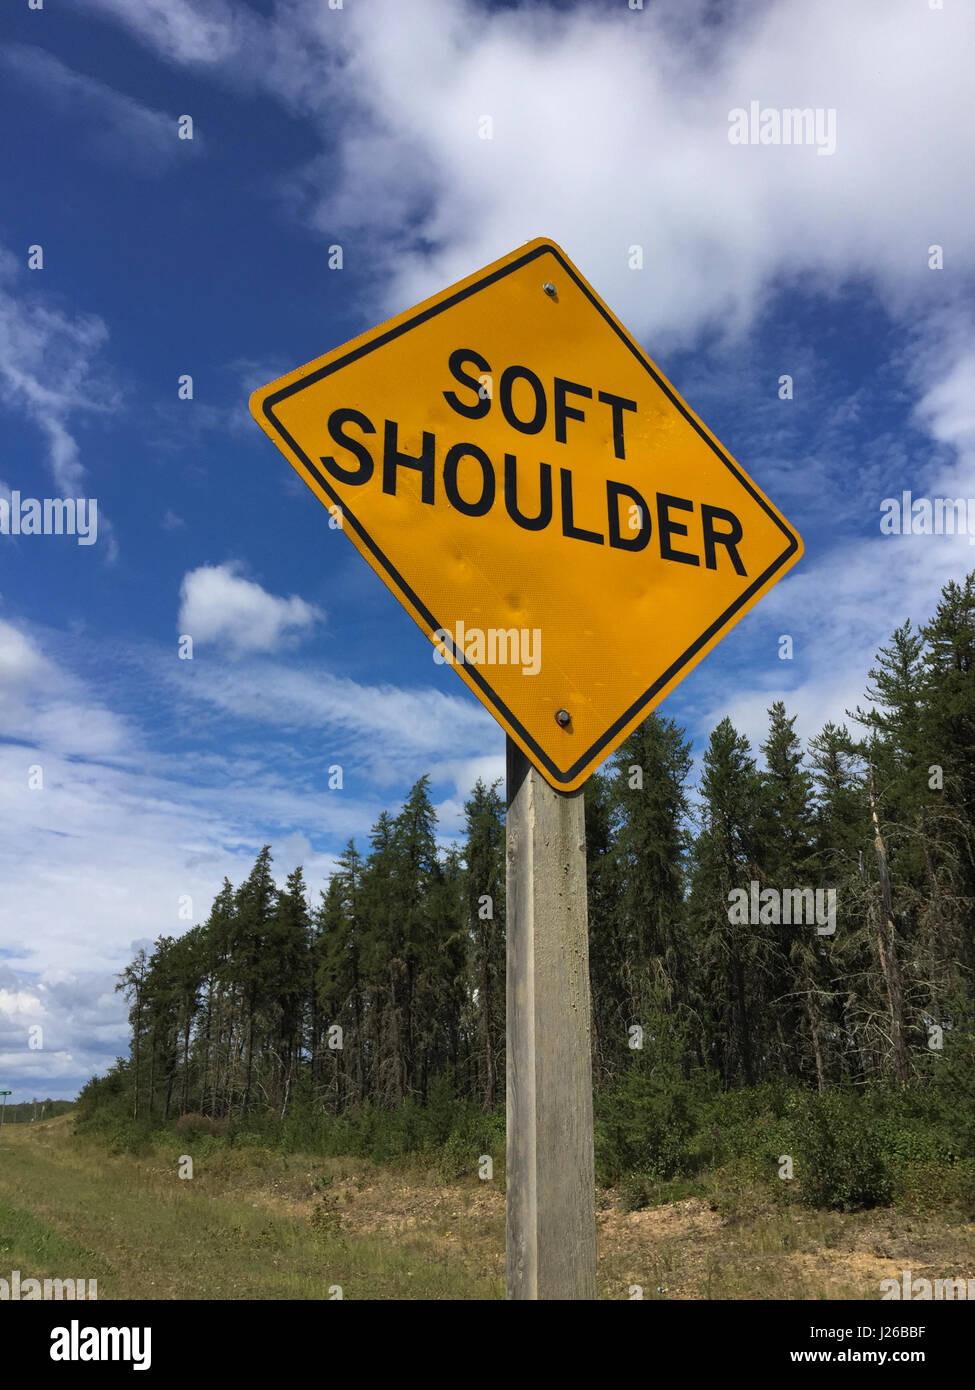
[{"x": 539, "y": 498}]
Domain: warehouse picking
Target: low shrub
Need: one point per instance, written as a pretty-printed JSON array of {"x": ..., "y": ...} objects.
[
  {"x": 840, "y": 1158},
  {"x": 193, "y": 1126}
]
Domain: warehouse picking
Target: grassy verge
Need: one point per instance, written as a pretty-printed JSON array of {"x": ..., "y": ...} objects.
[{"x": 253, "y": 1222}]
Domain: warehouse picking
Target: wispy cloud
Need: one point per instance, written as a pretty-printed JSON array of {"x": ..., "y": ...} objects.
[
  {"x": 381, "y": 724},
  {"x": 205, "y": 32},
  {"x": 48, "y": 368},
  {"x": 114, "y": 125}
]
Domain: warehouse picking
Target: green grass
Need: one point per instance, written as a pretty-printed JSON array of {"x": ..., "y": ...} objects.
[
  {"x": 159, "y": 1237},
  {"x": 40, "y": 1250}
]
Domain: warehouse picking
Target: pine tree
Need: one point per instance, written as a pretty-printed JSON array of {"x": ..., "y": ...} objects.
[
  {"x": 785, "y": 854},
  {"x": 947, "y": 816},
  {"x": 893, "y": 750},
  {"x": 254, "y": 906},
  {"x": 840, "y": 840},
  {"x": 337, "y": 994},
  {"x": 285, "y": 953},
  {"x": 607, "y": 951},
  {"x": 382, "y": 961},
  {"x": 734, "y": 957},
  {"x": 649, "y": 808},
  {"x": 484, "y": 891},
  {"x": 417, "y": 872},
  {"x": 131, "y": 984},
  {"x": 213, "y": 1038}
]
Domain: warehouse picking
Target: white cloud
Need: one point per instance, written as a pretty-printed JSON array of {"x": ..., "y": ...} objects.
[
  {"x": 219, "y": 605},
  {"x": 46, "y": 708},
  {"x": 19, "y": 1002},
  {"x": 57, "y": 1031},
  {"x": 106, "y": 852},
  {"x": 610, "y": 128},
  {"x": 948, "y": 407},
  {"x": 38, "y": 1066},
  {"x": 464, "y": 772},
  {"x": 21, "y": 663}
]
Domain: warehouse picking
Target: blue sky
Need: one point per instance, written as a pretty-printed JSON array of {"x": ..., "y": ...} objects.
[{"x": 358, "y": 126}]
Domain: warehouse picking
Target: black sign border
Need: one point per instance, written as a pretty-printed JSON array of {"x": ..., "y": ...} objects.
[{"x": 555, "y": 775}]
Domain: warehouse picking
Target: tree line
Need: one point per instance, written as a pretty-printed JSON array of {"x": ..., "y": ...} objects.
[
  {"x": 393, "y": 980},
  {"x": 26, "y": 1111}
]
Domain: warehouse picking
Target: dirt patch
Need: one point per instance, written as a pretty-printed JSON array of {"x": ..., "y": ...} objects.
[
  {"x": 688, "y": 1249},
  {"x": 691, "y": 1217}
]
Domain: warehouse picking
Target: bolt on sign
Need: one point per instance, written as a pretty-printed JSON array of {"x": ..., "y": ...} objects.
[{"x": 558, "y": 521}]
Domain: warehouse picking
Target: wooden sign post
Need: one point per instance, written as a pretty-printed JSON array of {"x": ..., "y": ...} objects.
[{"x": 551, "y": 1210}]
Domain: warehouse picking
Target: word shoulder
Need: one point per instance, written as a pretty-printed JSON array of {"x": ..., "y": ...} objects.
[{"x": 625, "y": 520}]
